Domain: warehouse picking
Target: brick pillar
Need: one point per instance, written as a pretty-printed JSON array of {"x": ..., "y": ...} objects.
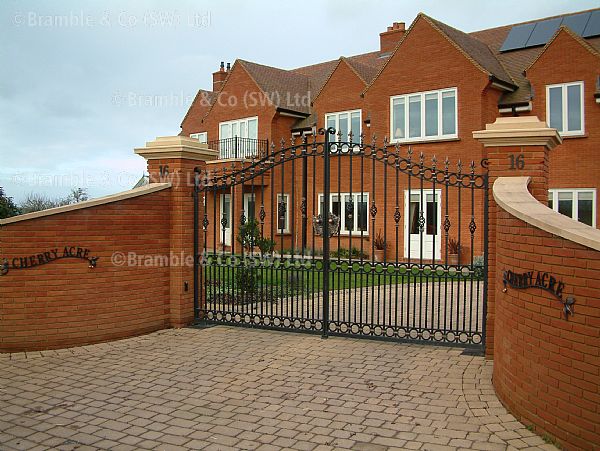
[
  {"x": 173, "y": 159},
  {"x": 516, "y": 146}
]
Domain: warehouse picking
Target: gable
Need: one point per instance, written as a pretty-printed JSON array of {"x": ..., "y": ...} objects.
[
  {"x": 565, "y": 50},
  {"x": 344, "y": 81},
  {"x": 425, "y": 59}
]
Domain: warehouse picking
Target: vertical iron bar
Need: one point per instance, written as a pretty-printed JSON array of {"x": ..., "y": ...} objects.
[{"x": 326, "y": 209}]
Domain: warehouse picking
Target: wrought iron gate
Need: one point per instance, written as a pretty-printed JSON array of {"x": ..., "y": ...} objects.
[{"x": 401, "y": 255}]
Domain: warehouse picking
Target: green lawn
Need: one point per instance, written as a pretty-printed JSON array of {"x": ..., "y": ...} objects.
[{"x": 297, "y": 277}]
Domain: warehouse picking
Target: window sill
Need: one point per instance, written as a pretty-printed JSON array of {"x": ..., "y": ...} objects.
[
  {"x": 585, "y": 135},
  {"x": 424, "y": 141}
]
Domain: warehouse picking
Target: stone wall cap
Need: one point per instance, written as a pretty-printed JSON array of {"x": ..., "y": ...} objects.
[
  {"x": 135, "y": 192},
  {"x": 176, "y": 147},
  {"x": 512, "y": 195},
  {"x": 518, "y": 131}
]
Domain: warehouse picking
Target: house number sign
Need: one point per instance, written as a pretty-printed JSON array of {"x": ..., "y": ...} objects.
[
  {"x": 31, "y": 261},
  {"x": 538, "y": 279}
]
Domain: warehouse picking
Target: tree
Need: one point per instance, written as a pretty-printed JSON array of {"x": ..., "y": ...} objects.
[
  {"x": 78, "y": 195},
  {"x": 7, "y": 206},
  {"x": 37, "y": 202}
]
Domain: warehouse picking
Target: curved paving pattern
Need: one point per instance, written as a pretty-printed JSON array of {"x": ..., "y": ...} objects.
[{"x": 231, "y": 388}]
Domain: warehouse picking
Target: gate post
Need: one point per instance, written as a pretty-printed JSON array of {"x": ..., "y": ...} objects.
[
  {"x": 174, "y": 159},
  {"x": 515, "y": 146}
]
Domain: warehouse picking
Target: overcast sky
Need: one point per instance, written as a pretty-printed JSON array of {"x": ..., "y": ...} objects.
[{"x": 83, "y": 83}]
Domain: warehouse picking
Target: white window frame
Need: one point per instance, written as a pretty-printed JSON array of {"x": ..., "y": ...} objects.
[
  {"x": 575, "y": 191},
  {"x": 565, "y": 107},
  {"x": 287, "y": 214},
  {"x": 245, "y": 121},
  {"x": 200, "y": 136},
  {"x": 343, "y": 231},
  {"x": 440, "y": 136},
  {"x": 336, "y": 114}
]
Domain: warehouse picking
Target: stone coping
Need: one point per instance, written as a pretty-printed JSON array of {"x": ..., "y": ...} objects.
[
  {"x": 512, "y": 195},
  {"x": 518, "y": 131},
  {"x": 141, "y": 191}
]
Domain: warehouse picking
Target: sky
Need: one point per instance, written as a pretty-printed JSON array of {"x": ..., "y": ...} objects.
[{"x": 82, "y": 83}]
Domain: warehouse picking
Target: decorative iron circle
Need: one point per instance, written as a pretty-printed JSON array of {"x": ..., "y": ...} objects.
[
  {"x": 211, "y": 315},
  {"x": 219, "y": 316},
  {"x": 378, "y": 331},
  {"x": 307, "y": 324},
  {"x": 426, "y": 335},
  {"x": 344, "y": 327},
  {"x": 402, "y": 333},
  {"x": 297, "y": 324},
  {"x": 286, "y": 322},
  {"x": 476, "y": 338},
  {"x": 238, "y": 318},
  {"x": 247, "y": 319},
  {"x": 318, "y": 325},
  {"x": 276, "y": 322},
  {"x": 413, "y": 334},
  {"x": 438, "y": 335},
  {"x": 366, "y": 330},
  {"x": 389, "y": 332},
  {"x": 450, "y": 337},
  {"x": 267, "y": 321},
  {"x": 355, "y": 328},
  {"x": 463, "y": 337},
  {"x": 228, "y": 317},
  {"x": 256, "y": 319},
  {"x": 332, "y": 327}
]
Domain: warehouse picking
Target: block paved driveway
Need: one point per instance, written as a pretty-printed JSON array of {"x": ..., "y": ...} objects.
[{"x": 232, "y": 388}]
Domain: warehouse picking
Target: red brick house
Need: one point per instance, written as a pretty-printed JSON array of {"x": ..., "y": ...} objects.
[{"x": 428, "y": 87}]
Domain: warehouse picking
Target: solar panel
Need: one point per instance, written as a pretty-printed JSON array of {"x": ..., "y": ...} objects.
[
  {"x": 518, "y": 37},
  {"x": 577, "y": 22},
  {"x": 593, "y": 26},
  {"x": 543, "y": 31}
]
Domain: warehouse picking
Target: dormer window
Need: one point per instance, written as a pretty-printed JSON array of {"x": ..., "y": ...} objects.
[{"x": 564, "y": 108}]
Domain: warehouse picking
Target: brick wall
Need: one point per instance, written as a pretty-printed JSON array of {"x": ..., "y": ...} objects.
[
  {"x": 547, "y": 369},
  {"x": 65, "y": 303}
]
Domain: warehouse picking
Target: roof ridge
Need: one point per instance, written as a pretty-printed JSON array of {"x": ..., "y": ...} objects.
[{"x": 533, "y": 20}]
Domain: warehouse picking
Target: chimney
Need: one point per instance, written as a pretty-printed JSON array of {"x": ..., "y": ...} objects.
[
  {"x": 219, "y": 77},
  {"x": 389, "y": 38}
]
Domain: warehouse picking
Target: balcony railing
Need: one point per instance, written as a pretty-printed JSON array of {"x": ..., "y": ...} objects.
[{"x": 237, "y": 147}]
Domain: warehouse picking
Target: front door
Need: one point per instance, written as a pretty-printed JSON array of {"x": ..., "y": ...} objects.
[
  {"x": 422, "y": 237},
  {"x": 225, "y": 235}
]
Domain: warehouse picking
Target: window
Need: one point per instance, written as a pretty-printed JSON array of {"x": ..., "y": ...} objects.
[
  {"x": 354, "y": 219},
  {"x": 564, "y": 108},
  {"x": 283, "y": 213},
  {"x": 345, "y": 122},
  {"x": 243, "y": 128},
  {"x": 578, "y": 204},
  {"x": 200, "y": 136},
  {"x": 423, "y": 116}
]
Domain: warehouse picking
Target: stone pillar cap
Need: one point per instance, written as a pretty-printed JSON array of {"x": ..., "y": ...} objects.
[
  {"x": 518, "y": 131},
  {"x": 176, "y": 147}
]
